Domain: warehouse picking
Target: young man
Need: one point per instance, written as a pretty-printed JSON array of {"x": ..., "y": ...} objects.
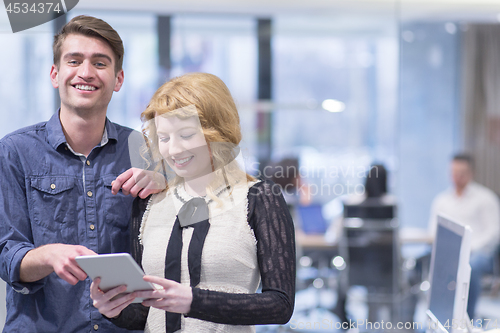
[
  {"x": 55, "y": 188},
  {"x": 472, "y": 204}
]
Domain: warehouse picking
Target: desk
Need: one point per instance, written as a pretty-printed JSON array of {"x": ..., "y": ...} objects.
[
  {"x": 415, "y": 235},
  {"x": 313, "y": 241},
  {"x": 417, "y": 240},
  {"x": 318, "y": 241},
  {"x": 317, "y": 248}
]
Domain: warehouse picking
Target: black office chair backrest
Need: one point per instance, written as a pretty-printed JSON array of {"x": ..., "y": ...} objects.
[{"x": 370, "y": 209}]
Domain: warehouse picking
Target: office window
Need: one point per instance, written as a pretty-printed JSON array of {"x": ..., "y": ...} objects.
[
  {"x": 26, "y": 93},
  {"x": 430, "y": 117},
  {"x": 140, "y": 65},
  {"x": 225, "y": 46},
  {"x": 317, "y": 59}
]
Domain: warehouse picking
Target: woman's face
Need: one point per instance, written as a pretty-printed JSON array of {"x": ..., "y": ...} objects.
[{"x": 182, "y": 143}]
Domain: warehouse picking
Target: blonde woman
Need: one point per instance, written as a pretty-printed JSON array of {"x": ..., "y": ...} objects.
[{"x": 215, "y": 233}]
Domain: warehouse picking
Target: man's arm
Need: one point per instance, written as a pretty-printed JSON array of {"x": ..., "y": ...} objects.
[
  {"x": 490, "y": 226},
  {"x": 58, "y": 258},
  {"x": 20, "y": 262}
]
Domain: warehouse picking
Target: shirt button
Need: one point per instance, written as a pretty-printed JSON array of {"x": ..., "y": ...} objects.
[
  {"x": 89, "y": 193},
  {"x": 88, "y": 162},
  {"x": 24, "y": 291},
  {"x": 53, "y": 186},
  {"x": 92, "y": 227},
  {"x": 96, "y": 327}
]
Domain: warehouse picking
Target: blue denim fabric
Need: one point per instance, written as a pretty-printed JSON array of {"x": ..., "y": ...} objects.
[{"x": 49, "y": 195}]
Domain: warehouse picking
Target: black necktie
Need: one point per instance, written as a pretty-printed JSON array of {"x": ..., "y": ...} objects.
[{"x": 193, "y": 213}]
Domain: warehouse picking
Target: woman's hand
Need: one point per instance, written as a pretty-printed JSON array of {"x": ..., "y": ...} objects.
[
  {"x": 173, "y": 297},
  {"x": 102, "y": 300}
]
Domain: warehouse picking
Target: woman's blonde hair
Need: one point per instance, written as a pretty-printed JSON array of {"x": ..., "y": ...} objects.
[{"x": 207, "y": 97}]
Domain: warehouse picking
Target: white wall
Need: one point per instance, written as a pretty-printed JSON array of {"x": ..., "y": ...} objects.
[{"x": 3, "y": 308}]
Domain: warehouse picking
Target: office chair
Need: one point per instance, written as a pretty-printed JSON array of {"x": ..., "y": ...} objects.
[{"x": 370, "y": 246}]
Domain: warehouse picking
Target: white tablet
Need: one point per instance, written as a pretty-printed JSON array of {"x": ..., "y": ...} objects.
[{"x": 115, "y": 269}]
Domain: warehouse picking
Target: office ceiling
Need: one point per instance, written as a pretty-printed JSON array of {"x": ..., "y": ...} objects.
[{"x": 485, "y": 10}]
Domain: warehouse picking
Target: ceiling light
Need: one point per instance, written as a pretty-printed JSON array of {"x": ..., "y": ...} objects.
[
  {"x": 333, "y": 105},
  {"x": 408, "y": 36},
  {"x": 451, "y": 28}
]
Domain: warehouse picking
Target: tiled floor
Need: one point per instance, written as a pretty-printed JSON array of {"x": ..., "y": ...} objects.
[
  {"x": 306, "y": 310},
  {"x": 489, "y": 308},
  {"x": 307, "y": 313}
]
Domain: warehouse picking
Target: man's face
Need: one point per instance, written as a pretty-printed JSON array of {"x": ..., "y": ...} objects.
[
  {"x": 86, "y": 77},
  {"x": 461, "y": 173}
]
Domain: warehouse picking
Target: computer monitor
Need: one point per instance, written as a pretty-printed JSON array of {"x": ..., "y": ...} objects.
[
  {"x": 311, "y": 218},
  {"x": 449, "y": 278}
]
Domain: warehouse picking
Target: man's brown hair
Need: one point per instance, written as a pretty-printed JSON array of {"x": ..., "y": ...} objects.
[
  {"x": 91, "y": 27},
  {"x": 463, "y": 157}
]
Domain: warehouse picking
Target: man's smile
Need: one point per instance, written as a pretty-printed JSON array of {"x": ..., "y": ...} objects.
[{"x": 84, "y": 87}]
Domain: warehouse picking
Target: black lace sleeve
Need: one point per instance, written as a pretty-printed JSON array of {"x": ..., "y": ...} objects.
[
  {"x": 138, "y": 208},
  {"x": 272, "y": 224},
  {"x": 134, "y": 316}
]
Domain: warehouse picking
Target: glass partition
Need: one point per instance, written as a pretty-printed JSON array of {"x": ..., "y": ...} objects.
[
  {"x": 140, "y": 63},
  {"x": 335, "y": 94},
  {"x": 26, "y": 94},
  {"x": 226, "y": 46}
]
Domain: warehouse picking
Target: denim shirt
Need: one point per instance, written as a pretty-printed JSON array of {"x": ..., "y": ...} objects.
[{"x": 48, "y": 194}]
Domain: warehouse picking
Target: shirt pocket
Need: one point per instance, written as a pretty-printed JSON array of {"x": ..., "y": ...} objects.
[
  {"x": 54, "y": 201},
  {"x": 118, "y": 208}
]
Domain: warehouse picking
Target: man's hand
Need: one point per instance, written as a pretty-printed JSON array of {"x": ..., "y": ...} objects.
[
  {"x": 140, "y": 182},
  {"x": 58, "y": 258}
]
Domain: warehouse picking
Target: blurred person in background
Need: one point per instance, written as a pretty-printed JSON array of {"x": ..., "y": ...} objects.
[
  {"x": 472, "y": 204},
  {"x": 286, "y": 174}
]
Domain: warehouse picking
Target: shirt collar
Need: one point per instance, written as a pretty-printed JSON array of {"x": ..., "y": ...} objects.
[
  {"x": 56, "y": 137},
  {"x": 467, "y": 189}
]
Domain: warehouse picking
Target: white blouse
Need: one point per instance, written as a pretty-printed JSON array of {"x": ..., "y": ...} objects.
[{"x": 229, "y": 257}]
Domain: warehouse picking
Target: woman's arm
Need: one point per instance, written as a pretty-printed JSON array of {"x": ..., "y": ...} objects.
[{"x": 272, "y": 224}]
